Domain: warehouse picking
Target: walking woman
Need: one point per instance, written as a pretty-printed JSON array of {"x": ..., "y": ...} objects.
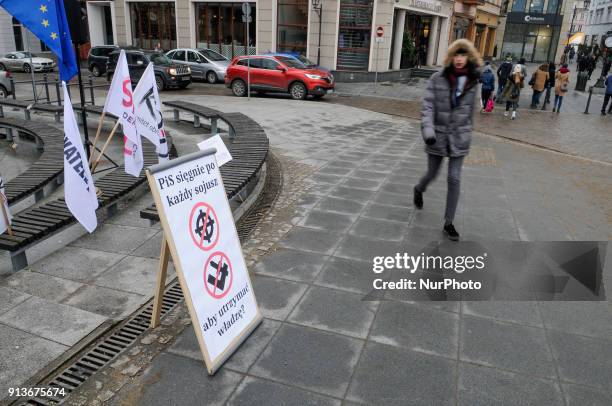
[
  {"x": 512, "y": 90},
  {"x": 446, "y": 125},
  {"x": 540, "y": 77},
  {"x": 561, "y": 87}
]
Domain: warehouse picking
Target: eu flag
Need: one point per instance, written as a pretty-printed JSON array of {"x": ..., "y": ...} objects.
[{"x": 47, "y": 20}]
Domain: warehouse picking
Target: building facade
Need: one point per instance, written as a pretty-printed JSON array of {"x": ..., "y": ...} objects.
[
  {"x": 598, "y": 25},
  {"x": 14, "y": 37},
  {"x": 536, "y": 30}
]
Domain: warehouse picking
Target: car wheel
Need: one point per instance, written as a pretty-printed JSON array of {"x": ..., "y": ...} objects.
[
  {"x": 159, "y": 82},
  {"x": 239, "y": 88},
  {"x": 2, "y": 66},
  {"x": 3, "y": 92},
  {"x": 211, "y": 77},
  {"x": 96, "y": 71},
  {"x": 298, "y": 91},
  {"x": 27, "y": 68}
]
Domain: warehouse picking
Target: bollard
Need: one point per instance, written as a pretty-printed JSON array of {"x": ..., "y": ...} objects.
[
  {"x": 586, "y": 110},
  {"x": 13, "y": 87},
  {"x": 46, "y": 78},
  {"x": 91, "y": 90},
  {"x": 57, "y": 91}
]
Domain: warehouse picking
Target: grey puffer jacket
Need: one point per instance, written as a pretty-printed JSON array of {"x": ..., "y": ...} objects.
[{"x": 451, "y": 127}]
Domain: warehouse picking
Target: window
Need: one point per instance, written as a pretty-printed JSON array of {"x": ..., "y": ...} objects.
[
  {"x": 179, "y": 55},
  {"x": 153, "y": 23},
  {"x": 171, "y": 54},
  {"x": 519, "y": 6},
  {"x": 219, "y": 27},
  {"x": 193, "y": 57},
  {"x": 17, "y": 34},
  {"x": 536, "y": 6},
  {"x": 212, "y": 55},
  {"x": 292, "y": 62},
  {"x": 135, "y": 59},
  {"x": 269, "y": 64},
  {"x": 354, "y": 34},
  {"x": 292, "y": 26}
]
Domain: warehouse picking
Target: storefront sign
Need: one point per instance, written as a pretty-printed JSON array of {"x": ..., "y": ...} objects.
[
  {"x": 435, "y": 7},
  {"x": 534, "y": 18}
]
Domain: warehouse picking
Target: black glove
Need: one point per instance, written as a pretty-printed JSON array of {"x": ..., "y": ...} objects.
[{"x": 430, "y": 141}]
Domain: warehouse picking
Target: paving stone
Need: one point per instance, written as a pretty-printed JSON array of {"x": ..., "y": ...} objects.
[
  {"x": 484, "y": 386},
  {"x": 514, "y": 312},
  {"x": 110, "y": 303},
  {"x": 593, "y": 319},
  {"x": 340, "y": 205},
  {"x": 115, "y": 238},
  {"x": 60, "y": 323},
  {"x": 129, "y": 214},
  {"x": 417, "y": 328},
  {"x": 501, "y": 228},
  {"x": 392, "y": 213},
  {"x": 423, "y": 235},
  {"x": 394, "y": 199},
  {"x": 166, "y": 380},
  {"x": 387, "y": 375},
  {"x": 328, "y": 221},
  {"x": 336, "y": 311},
  {"x": 22, "y": 355},
  {"x": 45, "y": 286},
  {"x": 307, "y": 239},
  {"x": 133, "y": 274},
  {"x": 365, "y": 249},
  {"x": 508, "y": 346},
  {"x": 311, "y": 359},
  {"x": 379, "y": 229},
  {"x": 277, "y": 297},
  {"x": 366, "y": 174},
  {"x": 335, "y": 170},
  {"x": 257, "y": 392},
  {"x": 291, "y": 264},
  {"x": 78, "y": 264},
  {"x": 361, "y": 183},
  {"x": 582, "y": 360},
  {"x": 398, "y": 188},
  {"x": 10, "y": 298},
  {"x": 345, "y": 274},
  {"x": 308, "y": 200},
  {"x": 350, "y": 193},
  {"x": 577, "y": 395},
  {"x": 327, "y": 178},
  {"x": 150, "y": 248}
]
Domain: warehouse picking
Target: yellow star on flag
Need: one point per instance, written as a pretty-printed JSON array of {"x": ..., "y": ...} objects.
[
  {"x": 53, "y": 35},
  {"x": 45, "y": 23},
  {"x": 43, "y": 8}
]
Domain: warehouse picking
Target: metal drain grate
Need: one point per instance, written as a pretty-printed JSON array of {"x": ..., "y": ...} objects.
[{"x": 128, "y": 332}]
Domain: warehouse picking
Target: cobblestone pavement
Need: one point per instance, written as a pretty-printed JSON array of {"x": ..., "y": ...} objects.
[{"x": 347, "y": 176}]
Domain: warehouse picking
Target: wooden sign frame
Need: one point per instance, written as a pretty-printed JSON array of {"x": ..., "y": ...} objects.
[{"x": 168, "y": 248}]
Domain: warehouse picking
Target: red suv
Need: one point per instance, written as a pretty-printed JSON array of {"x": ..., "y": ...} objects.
[{"x": 278, "y": 74}]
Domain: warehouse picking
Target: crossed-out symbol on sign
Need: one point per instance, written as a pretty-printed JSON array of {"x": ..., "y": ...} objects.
[
  {"x": 218, "y": 275},
  {"x": 204, "y": 226}
]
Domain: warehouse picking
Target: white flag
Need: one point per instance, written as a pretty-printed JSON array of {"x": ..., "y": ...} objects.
[
  {"x": 5, "y": 217},
  {"x": 79, "y": 189},
  {"x": 120, "y": 102},
  {"x": 150, "y": 122}
]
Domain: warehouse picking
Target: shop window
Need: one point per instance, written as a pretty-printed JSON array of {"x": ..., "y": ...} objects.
[
  {"x": 219, "y": 27},
  {"x": 292, "y": 26},
  {"x": 354, "y": 34},
  {"x": 17, "y": 34},
  {"x": 519, "y": 6},
  {"x": 153, "y": 23},
  {"x": 553, "y": 6},
  {"x": 536, "y": 6},
  {"x": 460, "y": 28}
]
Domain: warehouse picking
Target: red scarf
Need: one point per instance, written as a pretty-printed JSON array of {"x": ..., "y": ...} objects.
[
  {"x": 456, "y": 72},
  {"x": 563, "y": 70}
]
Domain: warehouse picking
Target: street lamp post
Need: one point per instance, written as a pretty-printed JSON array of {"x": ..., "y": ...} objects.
[{"x": 317, "y": 5}]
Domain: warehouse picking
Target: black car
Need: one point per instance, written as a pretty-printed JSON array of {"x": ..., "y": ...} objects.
[
  {"x": 167, "y": 73},
  {"x": 98, "y": 56}
]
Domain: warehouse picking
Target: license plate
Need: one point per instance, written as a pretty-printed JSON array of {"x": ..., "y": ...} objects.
[
  {"x": 185, "y": 78},
  {"x": 330, "y": 91}
]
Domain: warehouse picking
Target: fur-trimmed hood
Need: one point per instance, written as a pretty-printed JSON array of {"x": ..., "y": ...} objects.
[{"x": 473, "y": 55}]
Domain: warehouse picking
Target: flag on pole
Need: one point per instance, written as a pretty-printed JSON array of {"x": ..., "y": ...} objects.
[
  {"x": 5, "y": 218},
  {"x": 149, "y": 120},
  {"x": 120, "y": 102},
  {"x": 79, "y": 189},
  {"x": 46, "y": 19}
]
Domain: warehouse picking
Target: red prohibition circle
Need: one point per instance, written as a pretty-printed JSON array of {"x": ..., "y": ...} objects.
[
  {"x": 199, "y": 241},
  {"x": 222, "y": 259}
]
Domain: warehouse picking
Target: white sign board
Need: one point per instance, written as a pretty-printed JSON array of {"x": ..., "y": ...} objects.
[
  {"x": 222, "y": 155},
  {"x": 199, "y": 227},
  {"x": 380, "y": 40}
]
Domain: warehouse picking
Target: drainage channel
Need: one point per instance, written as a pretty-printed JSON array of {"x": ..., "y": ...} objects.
[{"x": 94, "y": 358}]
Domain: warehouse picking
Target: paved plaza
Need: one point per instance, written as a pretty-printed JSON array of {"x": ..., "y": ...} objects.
[{"x": 348, "y": 173}]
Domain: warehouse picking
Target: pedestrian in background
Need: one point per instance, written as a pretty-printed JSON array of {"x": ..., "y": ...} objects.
[
  {"x": 607, "y": 97},
  {"x": 538, "y": 83},
  {"x": 487, "y": 78},
  {"x": 572, "y": 53},
  {"x": 591, "y": 64},
  {"x": 503, "y": 72},
  {"x": 561, "y": 87},
  {"x": 446, "y": 125},
  {"x": 550, "y": 83},
  {"x": 512, "y": 89}
]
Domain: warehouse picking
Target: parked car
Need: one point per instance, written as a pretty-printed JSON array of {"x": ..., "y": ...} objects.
[
  {"x": 309, "y": 64},
  {"x": 204, "y": 63},
  {"x": 98, "y": 56},
  {"x": 167, "y": 73},
  {"x": 5, "y": 83},
  {"x": 21, "y": 61},
  {"x": 278, "y": 74}
]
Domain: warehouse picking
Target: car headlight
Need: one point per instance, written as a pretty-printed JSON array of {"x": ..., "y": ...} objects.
[
  {"x": 188, "y": 69},
  {"x": 310, "y": 76},
  {"x": 172, "y": 71}
]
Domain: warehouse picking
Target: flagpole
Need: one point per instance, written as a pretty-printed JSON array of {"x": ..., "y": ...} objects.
[
  {"x": 95, "y": 164},
  {"x": 82, "y": 92},
  {"x": 31, "y": 65},
  {"x": 95, "y": 141}
]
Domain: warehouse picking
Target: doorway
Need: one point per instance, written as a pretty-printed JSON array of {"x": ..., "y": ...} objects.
[
  {"x": 417, "y": 30},
  {"x": 100, "y": 21}
]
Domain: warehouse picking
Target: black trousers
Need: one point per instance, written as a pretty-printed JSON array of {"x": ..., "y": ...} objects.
[{"x": 607, "y": 98}]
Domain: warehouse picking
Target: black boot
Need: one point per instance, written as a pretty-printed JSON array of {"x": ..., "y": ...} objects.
[
  {"x": 418, "y": 198},
  {"x": 451, "y": 233}
]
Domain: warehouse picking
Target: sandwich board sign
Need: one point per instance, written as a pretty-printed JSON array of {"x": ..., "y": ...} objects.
[{"x": 200, "y": 234}]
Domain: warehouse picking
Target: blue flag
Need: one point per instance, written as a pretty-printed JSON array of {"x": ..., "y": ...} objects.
[{"x": 47, "y": 20}]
